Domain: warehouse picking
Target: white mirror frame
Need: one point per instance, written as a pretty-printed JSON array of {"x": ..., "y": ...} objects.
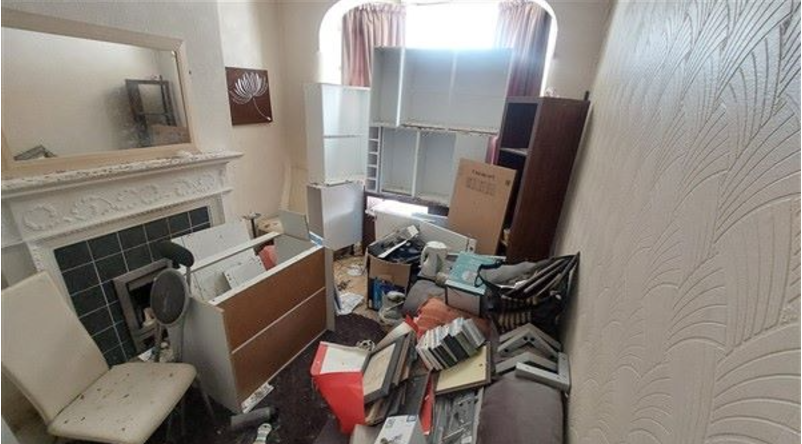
[{"x": 51, "y": 25}]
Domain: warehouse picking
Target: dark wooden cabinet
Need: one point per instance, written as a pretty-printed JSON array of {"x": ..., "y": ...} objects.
[{"x": 539, "y": 138}]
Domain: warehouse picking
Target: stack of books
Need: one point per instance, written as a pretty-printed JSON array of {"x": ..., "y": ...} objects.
[{"x": 445, "y": 346}]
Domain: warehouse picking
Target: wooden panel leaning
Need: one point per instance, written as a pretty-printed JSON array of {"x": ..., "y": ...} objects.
[
  {"x": 260, "y": 304},
  {"x": 267, "y": 353}
]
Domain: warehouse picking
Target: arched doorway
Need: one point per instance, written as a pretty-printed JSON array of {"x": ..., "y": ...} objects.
[{"x": 330, "y": 36}]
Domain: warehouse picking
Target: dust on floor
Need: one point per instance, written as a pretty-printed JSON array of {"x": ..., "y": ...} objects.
[{"x": 351, "y": 277}]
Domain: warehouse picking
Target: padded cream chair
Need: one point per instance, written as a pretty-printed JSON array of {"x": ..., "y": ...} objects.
[{"x": 49, "y": 355}]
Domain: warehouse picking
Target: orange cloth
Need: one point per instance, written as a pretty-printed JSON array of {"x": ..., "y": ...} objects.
[
  {"x": 435, "y": 312},
  {"x": 268, "y": 256}
]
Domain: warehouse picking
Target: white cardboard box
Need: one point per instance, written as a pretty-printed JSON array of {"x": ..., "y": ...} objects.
[
  {"x": 464, "y": 300},
  {"x": 401, "y": 430}
]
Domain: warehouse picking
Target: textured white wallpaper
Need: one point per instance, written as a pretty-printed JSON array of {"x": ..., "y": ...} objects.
[{"x": 685, "y": 205}]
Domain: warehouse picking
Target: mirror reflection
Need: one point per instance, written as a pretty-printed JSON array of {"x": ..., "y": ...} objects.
[{"x": 64, "y": 96}]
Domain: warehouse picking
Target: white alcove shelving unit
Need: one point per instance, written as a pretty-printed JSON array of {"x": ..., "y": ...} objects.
[
  {"x": 336, "y": 132},
  {"x": 428, "y": 110},
  {"x": 422, "y": 163}
]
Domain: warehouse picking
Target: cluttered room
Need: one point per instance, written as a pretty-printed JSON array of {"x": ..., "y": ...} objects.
[{"x": 400, "y": 222}]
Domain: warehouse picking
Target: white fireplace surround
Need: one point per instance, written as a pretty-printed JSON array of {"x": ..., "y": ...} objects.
[{"x": 43, "y": 213}]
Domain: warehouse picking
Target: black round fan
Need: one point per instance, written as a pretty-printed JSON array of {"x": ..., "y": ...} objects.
[{"x": 169, "y": 298}]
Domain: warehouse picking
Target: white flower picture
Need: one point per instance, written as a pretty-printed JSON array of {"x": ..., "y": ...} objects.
[{"x": 249, "y": 96}]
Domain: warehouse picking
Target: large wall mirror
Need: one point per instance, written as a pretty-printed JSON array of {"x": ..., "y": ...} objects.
[{"x": 76, "y": 95}]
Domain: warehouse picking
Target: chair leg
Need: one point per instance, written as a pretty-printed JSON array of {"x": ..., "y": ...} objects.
[
  {"x": 182, "y": 411},
  {"x": 168, "y": 433}
]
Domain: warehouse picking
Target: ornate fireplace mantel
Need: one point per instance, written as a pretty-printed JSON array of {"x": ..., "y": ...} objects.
[{"x": 42, "y": 213}]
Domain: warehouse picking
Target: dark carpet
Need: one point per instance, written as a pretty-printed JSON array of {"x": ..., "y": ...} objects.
[{"x": 302, "y": 412}]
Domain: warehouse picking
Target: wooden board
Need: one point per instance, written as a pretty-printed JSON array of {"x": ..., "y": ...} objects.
[
  {"x": 546, "y": 174},
  {"x": 262, "y": 357},
  {"x": 260, "y": 304},
  {"x": 472, "y": 372},
  {"x": 479, "y": 202}
]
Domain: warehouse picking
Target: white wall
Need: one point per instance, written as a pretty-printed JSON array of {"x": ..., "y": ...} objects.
[
  {"x": 251, "y": 38},
  {"x": 69, "y": 94},
  {"x": 300, "y": 21},
  {"x": 582, "y": 27},
  {"x": 685, "y": 205}
]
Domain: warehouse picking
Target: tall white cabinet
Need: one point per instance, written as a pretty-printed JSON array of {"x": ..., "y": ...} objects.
[
  {"x": 336, "y": 132},
  {"x": 336, "y": 149}
]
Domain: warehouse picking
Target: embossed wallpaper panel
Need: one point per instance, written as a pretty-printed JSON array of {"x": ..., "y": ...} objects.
[{"x": 685, "y": 205}]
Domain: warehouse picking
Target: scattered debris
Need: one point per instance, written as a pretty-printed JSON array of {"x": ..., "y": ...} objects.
[
  {"x": 262, "y": 433},
  {"x": 256, "y": 397},
  {"x": 355, "y": 270},
  {"x": 252, "y": 418},
  {"x": 348, "y": 302}
]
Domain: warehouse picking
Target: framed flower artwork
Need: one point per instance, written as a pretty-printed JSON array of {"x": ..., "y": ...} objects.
[{"x": 248, "y": 96}]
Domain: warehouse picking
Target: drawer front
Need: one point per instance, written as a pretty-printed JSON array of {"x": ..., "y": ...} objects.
[
  {"x": 259, "y": 305},
  {"x": 262, "y": 357}
]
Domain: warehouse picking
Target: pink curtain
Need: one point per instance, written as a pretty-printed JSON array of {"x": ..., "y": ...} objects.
[
  {"x": 524, "y": 27},
  {"x": 364, "y": 28}
]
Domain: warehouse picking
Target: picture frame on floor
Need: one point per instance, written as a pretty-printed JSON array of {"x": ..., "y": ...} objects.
[{"x": 379, "y": 370}]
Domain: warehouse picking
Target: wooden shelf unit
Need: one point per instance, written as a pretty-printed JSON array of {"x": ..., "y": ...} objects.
[{"x": 539, "y": 138}]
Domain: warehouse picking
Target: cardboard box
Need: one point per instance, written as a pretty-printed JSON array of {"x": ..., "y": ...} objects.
[
  {"x": 378, "y": 269},
  {"x": 463, "y": 290},
  {"x": 464, "y": 300},
  {"x": 479, "y": 203}
]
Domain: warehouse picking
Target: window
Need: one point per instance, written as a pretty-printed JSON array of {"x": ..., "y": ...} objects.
[
  {"x": 457, "y": 25},
  {"x": 451, "y": 25}
]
